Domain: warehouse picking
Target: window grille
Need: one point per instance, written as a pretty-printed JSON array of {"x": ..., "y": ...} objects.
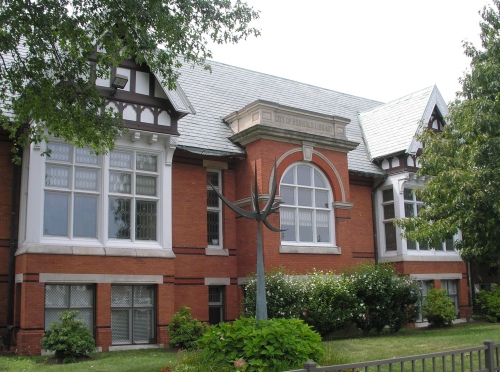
[
  {"x": 132, "y": 314},
  {"x": 214, "y": 209},
  {"x": 64, "y": 297},
  {"x": 215, "y": 305}
]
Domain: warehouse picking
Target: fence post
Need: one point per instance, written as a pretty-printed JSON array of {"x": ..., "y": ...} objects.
[
  {"x": 310, "y": 366},
  {"x": 489, "y": 356}
]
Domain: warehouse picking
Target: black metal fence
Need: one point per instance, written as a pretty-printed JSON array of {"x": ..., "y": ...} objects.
[{"x": 485, "y": 358}]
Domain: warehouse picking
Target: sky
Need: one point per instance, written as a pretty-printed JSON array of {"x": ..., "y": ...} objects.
[{"x": 381, "y": 50}]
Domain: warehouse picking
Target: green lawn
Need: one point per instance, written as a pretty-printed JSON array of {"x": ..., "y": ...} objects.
[{"x": 407, "y": 342}]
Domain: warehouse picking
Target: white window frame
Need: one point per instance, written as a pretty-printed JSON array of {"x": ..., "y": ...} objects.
[
  {"x": 285, "y": 244},
  {"x": 217, "y": 209},
  {"x": 388, "y": 221},
  {"x": 31, "y": 234}
]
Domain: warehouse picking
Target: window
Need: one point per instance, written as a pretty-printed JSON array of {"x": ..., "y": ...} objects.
[
  {"x": 389, "y": 214},
  {"x": 451, "y": 288},
  {"x": 71, "y": 192},
  {"x": 413, "y": 206},
  {"x": 215, "y": 305},
  {"x": 424, "y": 286},
  {"x": 61, "y": 297},
  {"x": 133, "y": 195},
  {"x": 306, "y": 214},
  {"x": 132, "y": 314},
  {"x": 214, "y": 209},
  {"x": 76, "y": 181}
]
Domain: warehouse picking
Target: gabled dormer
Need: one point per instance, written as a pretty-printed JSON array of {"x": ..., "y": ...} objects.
[
  {"x": 144, "y": 102},
  {"x": 389, "y": 132}
]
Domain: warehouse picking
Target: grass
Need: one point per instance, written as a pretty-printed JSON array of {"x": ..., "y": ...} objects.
[
  {"x": 416, "y": 341},
  {"x": 356, "y": 349}
]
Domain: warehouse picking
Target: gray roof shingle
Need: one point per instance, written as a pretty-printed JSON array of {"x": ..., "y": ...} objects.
[{"x": 228, "y": 89}]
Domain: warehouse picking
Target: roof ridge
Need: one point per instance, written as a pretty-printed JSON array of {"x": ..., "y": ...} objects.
[{"x": 293, "y": 81}]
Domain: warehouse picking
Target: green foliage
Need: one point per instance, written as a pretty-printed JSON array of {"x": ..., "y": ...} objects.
[
  {"x": 69, "y": 338},
  {"x": 329, "y": 302},
  {"x": 266, "y": 345},
  {"x": 464, "y": 191},
  {"x": 489, "y": 302},
  {"x": 284, "y": 295},
  {"x": 384, "y": 298},
  {"x": 438, "y": 308},
  {"x": 183, "y": 330},
  {"x": 49, "y": 44}
]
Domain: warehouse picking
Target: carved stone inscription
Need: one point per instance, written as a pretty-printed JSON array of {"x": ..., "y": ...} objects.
[{"x": 304, "y": 124}]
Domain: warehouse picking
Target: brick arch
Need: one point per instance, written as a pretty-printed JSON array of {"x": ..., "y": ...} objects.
[{"x": 319, "y": 160}]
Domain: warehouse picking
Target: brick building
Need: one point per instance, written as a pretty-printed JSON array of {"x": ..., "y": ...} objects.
[{"x": 129, "y": 237}]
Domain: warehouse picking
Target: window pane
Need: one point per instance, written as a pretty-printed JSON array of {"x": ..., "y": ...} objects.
[
  {"x": 423, "y": 246},
  {"x": 215, "y": 295},
  {"x": 143, "y": 326},
  {"x": 305, "y": 197},
  {"x": 57, "y": 176},
  {"x": 389, "y": 211},
  {"x": 56, "y": 296},
  {"x": 85, "y": 216},
  {"x": 409, "y": 210},
  {"x": 121, "y": 296},
  {"x": 143, "y": 296},
  {"x": 288, "y": 224},
  {"x": 323, "y": 227},
  {"x": 288, "y": 177},
  {"x": 288, "y": 195},
  {"x": 318, "y": 180},
  {"x": 387, "y": 195},
  {"x": 83, "y": 156},
  {"x": 119, "y": 218},
  {"x": 146, "y": 185},
  {"x": 145, "y": 220},
  {"x": 390, "y": 237},
  {"x": 321, "y": 199},
  {"x": 120, "y": 182},
  {"x": 59, "y": 151},
  {"x": 304, "y": 175},
  {"x": 87, "y": 315},
  {"x": 410, "y": 244},
  {"x": 213, "y": 178},
  {"x": 120, "y": 326},
  {"x": 449, "y": 244},
  {"x": 146, "y": 162},
  {"x": 305, "y": 226},
  {"x": 408, "y": 194},
  {"x": 120, "y": 159},
  {"x": 86, "y": 179},
  {"x": 55, "y": 214},
  {"x": 212, "y": 199},
  {"x": 82, "y": 296},
  {"x": 213, "y": 227}
]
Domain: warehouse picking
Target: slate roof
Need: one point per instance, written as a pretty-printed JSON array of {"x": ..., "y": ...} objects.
[
  {"x": 228, "y": 89},
  {"x": 390, "y": 128}
]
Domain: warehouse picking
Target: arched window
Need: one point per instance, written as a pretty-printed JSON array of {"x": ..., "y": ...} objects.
[{"x": 306, "y": 212}]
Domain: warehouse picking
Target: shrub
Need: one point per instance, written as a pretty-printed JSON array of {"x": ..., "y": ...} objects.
[
  {"x": 329, "y": 304},
  {"x": 489, "y": 302},
  {"x": 268, "y": 345},
  {"x": 438, "y": 308},
  {"x": 183, "y": 330},
  {"x": 384, "y": 298},
  {"x": 69, "y": 338},
  {"x": 283, "y": 296}
]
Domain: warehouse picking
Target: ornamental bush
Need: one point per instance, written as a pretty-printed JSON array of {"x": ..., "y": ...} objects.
[
  {"x": 384, "y": 298},
  {"x": 329, "y": 302},
  {"x": 183, "y": 330},
  {"x": 489, "y": 302},
  {"x": 69, "y": 338},
  {"x": 284, "y": 295},
  {"x": 438, "y": 308},
  {"x": 266, "y": 345}
]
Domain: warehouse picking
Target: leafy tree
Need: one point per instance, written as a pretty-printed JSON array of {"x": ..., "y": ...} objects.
[
  {"x": 45, "y": 47},
  {"x": 463, "y": 193}
]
